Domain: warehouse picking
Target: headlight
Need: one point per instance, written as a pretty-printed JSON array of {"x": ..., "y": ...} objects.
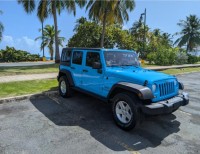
[
  {"x": 154, "y": 87},
  {"x": 175, "y": 83}
]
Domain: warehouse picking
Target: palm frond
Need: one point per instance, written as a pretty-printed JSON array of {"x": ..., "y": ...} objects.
[
  {"x": 42, "y": 11},
  {"x": 28, "y": 5}
]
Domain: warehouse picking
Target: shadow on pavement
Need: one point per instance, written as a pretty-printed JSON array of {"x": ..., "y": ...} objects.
[{"x": 96, "y": 117}]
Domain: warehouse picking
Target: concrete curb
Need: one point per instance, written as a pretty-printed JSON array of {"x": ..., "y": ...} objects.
[
  {"x": 161, "y": 68},
  {"x": 186, "y": 73},
  {"x": 23, "y": 97}
]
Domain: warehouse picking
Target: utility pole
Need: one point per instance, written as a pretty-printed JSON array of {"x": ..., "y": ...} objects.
[
  {"x": 144, "y": 24},
  {"x": 144, "y": 39}
]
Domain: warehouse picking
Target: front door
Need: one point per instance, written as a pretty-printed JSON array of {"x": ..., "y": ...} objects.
[{"x": 92, "y": 79}]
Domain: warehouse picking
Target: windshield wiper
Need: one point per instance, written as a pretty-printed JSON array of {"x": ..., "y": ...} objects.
[
  {"x": 113, "y": 65},
  {"x": 130, "y": 65},
  {"x": 126, "y": 65}
]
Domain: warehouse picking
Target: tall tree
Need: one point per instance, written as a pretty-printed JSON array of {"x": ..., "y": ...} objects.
[
  {"x": 52, "y": 7},
  {"x": 109, "y": 12},
  {"x": 167, "y": 39},
  {"x": 79, "y": 21},
  {"x": 48, "y": 39},
  {"x": 1, "y": 28},
  {"x": 190, "y": 33}
]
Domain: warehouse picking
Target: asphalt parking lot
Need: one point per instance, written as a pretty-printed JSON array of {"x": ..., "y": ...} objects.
[{"x": 83, "y": 124}]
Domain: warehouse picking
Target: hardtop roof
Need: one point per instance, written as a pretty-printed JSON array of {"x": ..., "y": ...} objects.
[{"x": 95, "y": 49}]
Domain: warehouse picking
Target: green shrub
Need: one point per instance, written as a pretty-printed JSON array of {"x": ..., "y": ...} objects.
[
  {"x": 10, "y": 54},
  {"x": 192, "y": 59},
  {"x": 181, "y": 58},
  {"x": 163, "y": 56}
]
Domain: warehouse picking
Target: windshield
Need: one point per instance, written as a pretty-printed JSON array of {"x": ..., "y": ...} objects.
[{"x": 117, "y": 58}]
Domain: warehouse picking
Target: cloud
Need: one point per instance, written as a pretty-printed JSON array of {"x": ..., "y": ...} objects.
[
  {"x": 8, "y": 39},
  {"x": 23, "y": 43}
]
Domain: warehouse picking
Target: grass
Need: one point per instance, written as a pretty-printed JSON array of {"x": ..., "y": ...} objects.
[
  {"x": 182, "y": 70},
  {"x": 37, "y": 86},
  {"x": 27, "y": 87},
  {"x": 144, "y": 65},
  {"x": 5, "y": 71}
]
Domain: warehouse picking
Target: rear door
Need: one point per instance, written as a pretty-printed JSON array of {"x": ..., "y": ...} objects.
[{"x": 76, "y": 66}]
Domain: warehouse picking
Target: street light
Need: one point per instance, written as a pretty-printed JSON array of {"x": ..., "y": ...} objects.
[{"x": 141, "y": 17}]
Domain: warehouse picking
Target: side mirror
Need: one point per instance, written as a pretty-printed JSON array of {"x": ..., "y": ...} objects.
[{"x": 96, "y": 65}]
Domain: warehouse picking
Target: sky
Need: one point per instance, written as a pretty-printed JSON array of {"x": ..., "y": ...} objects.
[{"x": 21, "y": 29}]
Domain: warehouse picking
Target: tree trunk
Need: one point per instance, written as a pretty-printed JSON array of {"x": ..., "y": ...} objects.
[
  {"x": 51, "y": 51},
  {"x": 51, "y": 56},
  {"x": 57, "y": 54},
  {"x": 103, "y": 30}
]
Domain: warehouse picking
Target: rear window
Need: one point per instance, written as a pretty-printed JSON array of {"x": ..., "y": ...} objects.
[{"x": 77, "y": 57}]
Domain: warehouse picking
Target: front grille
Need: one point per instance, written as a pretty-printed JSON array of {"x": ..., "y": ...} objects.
[{"x": 166, "y": 88}]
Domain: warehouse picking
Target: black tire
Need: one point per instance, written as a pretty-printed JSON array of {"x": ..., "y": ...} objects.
[
  {"x": 131, "y": 100},
  {"x": 68, "y": 91}
]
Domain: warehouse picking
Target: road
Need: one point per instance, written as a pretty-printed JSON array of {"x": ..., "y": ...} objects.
[
  {"x": 25, "y": 64},
  {"x": 84, "y": 125}
]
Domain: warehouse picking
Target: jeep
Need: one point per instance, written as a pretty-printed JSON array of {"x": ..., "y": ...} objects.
[{"x": 115, "y": 76}]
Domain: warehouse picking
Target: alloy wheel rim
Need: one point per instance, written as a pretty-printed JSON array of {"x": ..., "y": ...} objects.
[
  {"x": 63, "y": 87},
  {"x": 123, "y": 112}
]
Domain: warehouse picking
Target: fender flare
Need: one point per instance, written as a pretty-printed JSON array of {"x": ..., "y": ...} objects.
[
  {"x": 181, "y": 86},
  {"x": 144, "y": 93},
  {"x": 68, "y": 75}
]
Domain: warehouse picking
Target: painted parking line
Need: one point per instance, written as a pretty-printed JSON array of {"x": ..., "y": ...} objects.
[{"x": 185, "y": 112}]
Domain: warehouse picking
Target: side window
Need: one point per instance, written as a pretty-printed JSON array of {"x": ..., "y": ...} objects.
[
  {"x": 91, "y": 58},
  {"x": 66, "y": 55},
  {"x": 77, "y": 57}
]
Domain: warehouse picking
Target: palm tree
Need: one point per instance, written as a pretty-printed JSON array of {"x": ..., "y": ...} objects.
[
  {"x": 190, "y": 33},
  {"x": 136, "y": 27},
  {"x": 109, "y": 12},
  {"x": 49, "y": 39},
  {"x": 1, "y": 28},
  {"x": 52, "y": 7},
  {"x": 157, "y": 32},
  {"x": 167, "y": 39},
  {"x": 79, "y": 21}
]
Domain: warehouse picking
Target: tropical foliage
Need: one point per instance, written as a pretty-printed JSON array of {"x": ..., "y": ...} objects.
[
  {"x": 105, "y": 30},
  {"x": 159, "y": 49},
  {"x": 88, "y": 34},
  {"x": 190, "y": 33},
  {"x": 109, "y": 12},
  {"x": 48, "y": 39},
  {"x": 163, "y": 56},
  {"x": 52, "y": 7},
  {"x": 10, "y": 54}
]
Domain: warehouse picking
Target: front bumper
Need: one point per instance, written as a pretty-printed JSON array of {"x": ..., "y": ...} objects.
[{"x": 166, "y": 106}]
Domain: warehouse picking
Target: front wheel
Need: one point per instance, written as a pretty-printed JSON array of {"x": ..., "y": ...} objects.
[{"x": 125, "y": 111}]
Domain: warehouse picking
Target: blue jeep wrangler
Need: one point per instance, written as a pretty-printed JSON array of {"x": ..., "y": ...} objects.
[{"x": 115, "y": 76}]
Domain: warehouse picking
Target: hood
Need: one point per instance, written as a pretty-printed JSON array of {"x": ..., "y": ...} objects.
[{"x": 136, "y": 74}]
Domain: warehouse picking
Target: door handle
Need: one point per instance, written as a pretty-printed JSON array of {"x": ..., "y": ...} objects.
[
  {"x": 73, "y": 68},
  {"x": 85, "y": 70}
]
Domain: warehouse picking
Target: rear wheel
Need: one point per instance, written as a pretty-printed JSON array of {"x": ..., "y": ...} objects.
[
  {"x": 64, "y": 88},
  {"x": 125, "y": 111}
]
